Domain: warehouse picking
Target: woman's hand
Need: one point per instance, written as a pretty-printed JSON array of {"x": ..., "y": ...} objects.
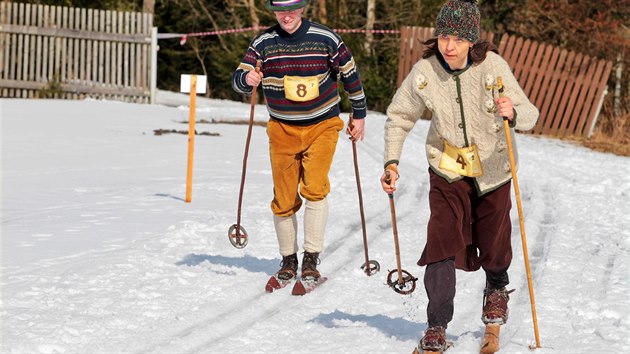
[
  {"x": 505, "y": 108},
  {"x": 389, "y": 178}
]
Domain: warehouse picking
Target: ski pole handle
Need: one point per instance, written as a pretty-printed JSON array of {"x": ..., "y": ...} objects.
[
  {"x": 388, "y": 180},
  {"x": 388, "y": 177},
  {"x": 500, "y": 89},
  {"x": 258, "y": 65}
]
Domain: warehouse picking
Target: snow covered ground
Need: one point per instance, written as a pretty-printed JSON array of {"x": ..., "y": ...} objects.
[{"x": 101, "y": 254}]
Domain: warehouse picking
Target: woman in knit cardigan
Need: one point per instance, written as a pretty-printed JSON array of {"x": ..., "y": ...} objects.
[{"x": 469, "y": 169}]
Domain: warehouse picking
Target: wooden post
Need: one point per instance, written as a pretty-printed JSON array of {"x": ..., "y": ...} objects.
[{"x": 191, "y": 136}]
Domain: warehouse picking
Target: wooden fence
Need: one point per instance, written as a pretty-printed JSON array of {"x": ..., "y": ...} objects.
[
  {"x": 567, "y": 87},
  {"x": 72, "y": 53}
]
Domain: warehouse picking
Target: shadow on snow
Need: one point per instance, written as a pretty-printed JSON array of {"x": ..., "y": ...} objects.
[
  {"x": 399, "y": 328},
  {"x": 249, "y": 263}
]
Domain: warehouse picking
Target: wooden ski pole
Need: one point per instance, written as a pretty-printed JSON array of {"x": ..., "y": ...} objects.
[
  {"x": 369, "y": 266},
  {"x": 237, "y": 234},
  {"x": 508, "y": 138},
  {"x": 402, "y": 285}
]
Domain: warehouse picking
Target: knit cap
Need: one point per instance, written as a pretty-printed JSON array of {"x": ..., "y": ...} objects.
[
  {"x": 459, "y": 18},
  {"x": 285, "y": 5}
]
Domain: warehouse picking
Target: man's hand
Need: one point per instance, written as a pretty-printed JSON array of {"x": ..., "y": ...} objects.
[
  {"x": 253, "y": 78},
  {"x": 356, "y": 129}
]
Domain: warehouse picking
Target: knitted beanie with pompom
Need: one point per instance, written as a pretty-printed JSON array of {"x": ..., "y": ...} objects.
[{"x": 459, "y": 18}]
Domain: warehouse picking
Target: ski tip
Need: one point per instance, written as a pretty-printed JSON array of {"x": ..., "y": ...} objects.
[
  {"x": 490, "y": 342},
  {"x": 272, "y": 285},
  {"x": 298, "y": 289},
  {"x": 416, "y": 351}
]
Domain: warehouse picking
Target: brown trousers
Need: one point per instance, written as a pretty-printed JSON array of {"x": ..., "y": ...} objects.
[
  {"x": 301, "y": 157},
  {"x": 465, "y": 231}
]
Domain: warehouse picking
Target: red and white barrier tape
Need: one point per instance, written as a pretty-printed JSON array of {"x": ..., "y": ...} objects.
[{"x": 184, "y": 37}]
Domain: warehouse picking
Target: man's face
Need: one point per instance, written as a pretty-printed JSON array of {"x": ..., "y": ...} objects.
[{"x": 289, "y": 20}]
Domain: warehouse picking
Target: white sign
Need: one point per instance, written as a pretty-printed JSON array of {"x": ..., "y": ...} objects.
[{"x": 184, "y": 85}]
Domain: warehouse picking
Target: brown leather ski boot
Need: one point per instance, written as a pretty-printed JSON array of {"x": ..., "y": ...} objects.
[
  {"x": 288, "y": 267},
  {"x": 495, "y": 306},
  {"x": 434, "y": 340},
  {"x": 309, "y": 266}
]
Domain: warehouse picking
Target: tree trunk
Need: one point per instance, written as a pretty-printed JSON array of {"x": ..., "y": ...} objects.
[
  {"x": 617, "y": 96},
  {"x": 369, "y": 26},
  {"x": 251, "y": 5},
  {"x": 211, "y": 19},
  {"x": 194, "y": 44},
  {"x": 148, "y": 6},
  {"x": 321, "y": 12},
  {"x": 342, "y": 10}
]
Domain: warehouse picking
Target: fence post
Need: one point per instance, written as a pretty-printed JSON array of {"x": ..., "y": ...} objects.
[
  {"x": 154, "y": 53},
  {"x": 597, "y": 110}
]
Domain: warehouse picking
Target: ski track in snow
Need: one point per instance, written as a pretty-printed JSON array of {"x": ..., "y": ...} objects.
[{"x": 185, "y": 289}]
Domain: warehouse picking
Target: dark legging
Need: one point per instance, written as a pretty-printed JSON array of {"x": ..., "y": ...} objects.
[{"x": 439, "y": 282}]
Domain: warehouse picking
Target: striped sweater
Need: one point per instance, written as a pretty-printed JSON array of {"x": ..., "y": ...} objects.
[{"x": 312, "y": 50}]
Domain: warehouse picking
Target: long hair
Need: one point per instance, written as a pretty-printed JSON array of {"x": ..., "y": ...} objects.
[{"x": 477, "y": 53}]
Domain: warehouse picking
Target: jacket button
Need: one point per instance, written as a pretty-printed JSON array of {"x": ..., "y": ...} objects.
[
  {"x": 461, "y": 126},
  {"x": 458, "y": 100}
]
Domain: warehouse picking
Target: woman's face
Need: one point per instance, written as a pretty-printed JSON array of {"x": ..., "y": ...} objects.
[
  {"x": 289, "y": 20},
  {"x": 454, "y": 50}
]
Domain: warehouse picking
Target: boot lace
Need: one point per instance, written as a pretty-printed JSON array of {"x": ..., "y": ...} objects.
[
  {"x": 309, "y": 265},
  {"x": 495, "y": 309},
  {"x": 434, "y": 339},
  {"x": 288, "y": 267}
]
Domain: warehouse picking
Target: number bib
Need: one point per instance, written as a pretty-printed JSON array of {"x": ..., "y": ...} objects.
[
  {"x": 301, "y": 89},
  {"x": 463, "y": 161}
]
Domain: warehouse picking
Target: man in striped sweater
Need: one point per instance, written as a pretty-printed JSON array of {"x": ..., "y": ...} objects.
[{"x": 302, "y": 62}]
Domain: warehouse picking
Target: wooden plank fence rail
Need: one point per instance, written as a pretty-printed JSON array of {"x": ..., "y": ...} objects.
[
  {"x": 567, "y": 87},
  {"x": 73, "y": 53}
]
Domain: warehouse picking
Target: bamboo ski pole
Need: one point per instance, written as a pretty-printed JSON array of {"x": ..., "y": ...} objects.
[
  {"x": 508, "y": 138},
  {"x": 238, "y": 240}
]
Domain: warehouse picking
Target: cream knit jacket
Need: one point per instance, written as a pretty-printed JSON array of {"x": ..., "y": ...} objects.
[{"x": 463, "y": 111}]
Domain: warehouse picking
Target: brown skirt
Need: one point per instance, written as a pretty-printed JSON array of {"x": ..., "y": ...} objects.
[{"x": 475, "y": 229}]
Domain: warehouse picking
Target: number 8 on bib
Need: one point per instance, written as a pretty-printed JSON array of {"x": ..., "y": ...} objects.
[{"x": 301, "y": 89}]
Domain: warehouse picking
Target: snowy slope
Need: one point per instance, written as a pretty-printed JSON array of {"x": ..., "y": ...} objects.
[{"x": 100, "y": 253}]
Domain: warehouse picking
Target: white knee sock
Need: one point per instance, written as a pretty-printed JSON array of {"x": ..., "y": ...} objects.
[
  {"x": 315, "y": 218},
  {"x": 286, "y": 231}
]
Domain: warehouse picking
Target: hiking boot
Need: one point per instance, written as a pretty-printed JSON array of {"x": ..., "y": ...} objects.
[
  {"x": 309, "y": 265},
  {"x": 434, "y": 339},
  {"x": 495, "y": 305},
  {"x": 288, "y": 267}
]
